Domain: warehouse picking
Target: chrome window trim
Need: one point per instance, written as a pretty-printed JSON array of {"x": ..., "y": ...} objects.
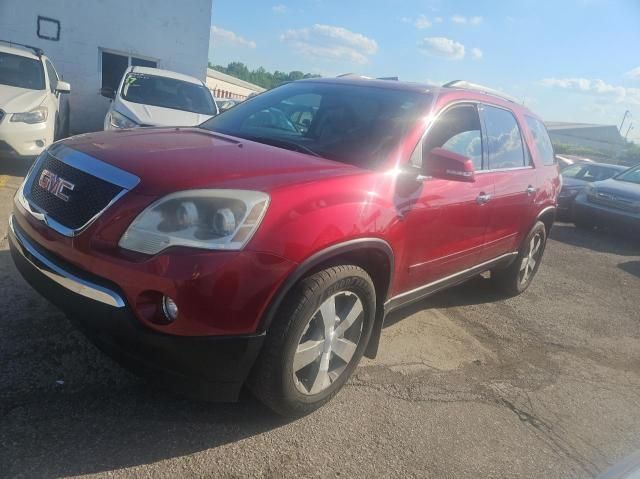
[
  {"x": 59, "y": 275},
  {"x": 87, "y": 164},
  {"x": 481, "y": 172}
]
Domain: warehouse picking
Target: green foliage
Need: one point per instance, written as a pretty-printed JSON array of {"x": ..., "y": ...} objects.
[
  {"x": 260, "y": 76},
  {"x": 630, "y": 155}
]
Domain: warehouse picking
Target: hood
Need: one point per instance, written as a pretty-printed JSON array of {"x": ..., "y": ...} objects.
[
  {"x": 624, "y": 189},
  {"x": 158, "y": 116},
  {"x": 171, "y": 159},
  {"x": 18, "y": 100}
]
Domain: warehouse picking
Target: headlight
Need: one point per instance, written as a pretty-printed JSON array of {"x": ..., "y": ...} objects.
[
  {"x": 208, "y": 219},
  {"x": 568, "y": 192},
  {"x": 591, "y": 190},
  {"x": 118, "y": 120},
  {"x": 37, "y": 115}
]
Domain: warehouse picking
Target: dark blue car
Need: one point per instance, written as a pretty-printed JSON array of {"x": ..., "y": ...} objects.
[
  {"x": 575, "y": 179},
  {"x": 612, "y": 202}
]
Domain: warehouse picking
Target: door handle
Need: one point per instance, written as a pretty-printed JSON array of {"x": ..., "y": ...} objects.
[
  {"x": 531, "y": 190},
  {"x": 483, "y": 198}
]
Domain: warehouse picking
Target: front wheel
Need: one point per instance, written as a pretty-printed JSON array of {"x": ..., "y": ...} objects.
[
  {"x": 316, "y": 341},
  {"x": 514, "y": 279}
]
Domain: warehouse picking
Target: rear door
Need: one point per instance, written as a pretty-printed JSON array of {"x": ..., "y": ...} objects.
[
  {"x": 513, "y": 175},
  {"x": 447, "y": 220}
]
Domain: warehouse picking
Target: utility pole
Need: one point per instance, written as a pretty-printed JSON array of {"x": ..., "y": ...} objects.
[
  {"x": 626, "y": 113},
  {"x": 628, "y": 130}
]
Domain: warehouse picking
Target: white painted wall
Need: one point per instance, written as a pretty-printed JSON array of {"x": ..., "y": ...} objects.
[{"x": 173, "y": 32}]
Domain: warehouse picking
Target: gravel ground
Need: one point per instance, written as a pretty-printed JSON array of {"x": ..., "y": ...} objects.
[{"x": 467, "y": 384}]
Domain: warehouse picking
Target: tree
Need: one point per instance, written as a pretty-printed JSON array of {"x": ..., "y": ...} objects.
[{"x": 261, "y": 76}]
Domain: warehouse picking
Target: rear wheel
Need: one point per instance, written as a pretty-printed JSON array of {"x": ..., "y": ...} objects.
[
  {"x": 516, "y": 278},
  {"x": 316, "y": 341}
]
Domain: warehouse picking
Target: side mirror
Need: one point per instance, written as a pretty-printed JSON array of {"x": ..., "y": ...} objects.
[
  {"x": 108, "y": 92},
  {"x": 448, "y": 165},
  {"x": 63, "y": 87}
]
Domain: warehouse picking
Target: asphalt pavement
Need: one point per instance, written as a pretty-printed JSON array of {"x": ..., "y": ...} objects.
[{"x": 467, "y": 384}]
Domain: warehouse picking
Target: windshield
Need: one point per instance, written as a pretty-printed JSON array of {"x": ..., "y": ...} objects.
[
  {"x": 589, "y": 173},
  {"x": 351, "y": 124},
  {"x": 167, "y": 93},
  {"x": 22, "y": 72},
  {"x": 632, "y": 175}
]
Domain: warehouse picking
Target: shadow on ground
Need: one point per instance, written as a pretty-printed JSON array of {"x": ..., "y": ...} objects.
[
  {"x": 65, "y": 409},
  {"x": 631, "y": 267},
  {"x": 604, "y": 241},
  {"x": 15, "y": 166}
]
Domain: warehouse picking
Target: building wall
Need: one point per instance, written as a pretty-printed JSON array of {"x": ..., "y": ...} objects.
[
  {"x": 226, "y": 86},
  {"x": 174, "y": 33}
]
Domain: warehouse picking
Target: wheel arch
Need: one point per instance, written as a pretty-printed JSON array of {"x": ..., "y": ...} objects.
[
  {"x": 374, "y": 255},
  {"x": 547, "y": 216}
]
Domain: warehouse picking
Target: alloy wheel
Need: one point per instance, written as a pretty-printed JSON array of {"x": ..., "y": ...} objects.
[
  {"x": 530, "y": 260},
  {"x": 328, "y": 342}
]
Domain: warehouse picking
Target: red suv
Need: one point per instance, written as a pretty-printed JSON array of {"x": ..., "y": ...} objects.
[{"x": 267, "y": 245}]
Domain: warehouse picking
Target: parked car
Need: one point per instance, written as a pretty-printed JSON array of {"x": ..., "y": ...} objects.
[
  {"x": 244, "y": 252},
  {"x": 613, "y": 202},
  {"x": 575, "y": 178},
  {"x": 33, "y": 108},
  {"x": 225, "y": 104},
  {"x": 153, "y": 97}
]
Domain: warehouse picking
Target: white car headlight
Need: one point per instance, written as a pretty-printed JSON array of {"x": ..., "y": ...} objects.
[
  {"x": 591, "y": 190},
  {"x": 207, "y": 219},
  {"x": 118, "y": 120},
  {"x": 37, "y": 115}
]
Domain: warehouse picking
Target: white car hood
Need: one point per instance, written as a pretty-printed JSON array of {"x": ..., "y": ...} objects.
[
  {"x": 157, "y": 115},
  {"x": 17, "y": 100}
]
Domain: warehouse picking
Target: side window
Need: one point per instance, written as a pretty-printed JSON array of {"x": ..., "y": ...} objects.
[
  {"x": 457, "y": 130},
  {"x": 53, "y": 76},
  {"x": 542, "y": 140},
  {"x": 505, "y": 146}
]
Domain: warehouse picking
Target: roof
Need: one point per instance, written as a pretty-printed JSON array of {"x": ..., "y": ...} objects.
[
  {"x": 20, "y": 51},
  {"x": 166, "y": 73},
  {"x": 561, "y": 125},
  {"x": 215, "y": 74}
]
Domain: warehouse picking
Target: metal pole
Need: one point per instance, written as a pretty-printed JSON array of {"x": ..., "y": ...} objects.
[
  {"x": 628, "y": 129},
  {"x": 624, "y": 117}
]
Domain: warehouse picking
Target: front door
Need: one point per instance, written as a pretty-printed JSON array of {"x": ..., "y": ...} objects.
[{"x": 447, "y": 220}]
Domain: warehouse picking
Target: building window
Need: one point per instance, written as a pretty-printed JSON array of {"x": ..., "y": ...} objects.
[{"x": 113, "y": 66}]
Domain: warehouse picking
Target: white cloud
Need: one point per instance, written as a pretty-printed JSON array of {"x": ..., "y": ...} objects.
[
  {"x": 597, "y": 88},
  {"x": 442, "y": 47},
  {"x": 462, "y": 20},
  {"x": 221, "y": 35},
  {"x": 280, "y": 8},
  {"x": 476, "y": 53},
  {"x": 635, "y": 73},
  {"x": 335, "y": 43},
  {"x": 422, "y": 22}
]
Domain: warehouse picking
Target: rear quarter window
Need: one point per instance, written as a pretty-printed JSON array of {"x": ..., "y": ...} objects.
[{"x": 541, "y": 139}]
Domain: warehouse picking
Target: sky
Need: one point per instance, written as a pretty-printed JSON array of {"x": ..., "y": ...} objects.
[{"x": 567, "y": 60}]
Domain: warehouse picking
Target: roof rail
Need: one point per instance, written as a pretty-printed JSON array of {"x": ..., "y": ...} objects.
[
  {"x": 483, "y": 89},
  {"x": 36, "y": 50}
]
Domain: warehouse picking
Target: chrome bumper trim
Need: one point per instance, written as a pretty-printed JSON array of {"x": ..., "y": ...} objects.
[{"x": 59, "y": 275}]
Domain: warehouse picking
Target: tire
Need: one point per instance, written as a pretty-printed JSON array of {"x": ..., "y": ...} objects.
[
  {"x": 583, "y": 223},
  {"x": 517, "y": 277},
  {"x": 299, "y": 333}
]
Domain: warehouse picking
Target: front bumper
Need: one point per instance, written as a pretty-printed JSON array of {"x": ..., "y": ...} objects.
[
  {"x": 601, "y": 215},
  {"x": 210, "y": 367},
  {"x": 22, "y": 139}
]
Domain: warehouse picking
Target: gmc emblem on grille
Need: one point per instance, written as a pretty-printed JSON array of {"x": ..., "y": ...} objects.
[{"x": 55, "y": 185}]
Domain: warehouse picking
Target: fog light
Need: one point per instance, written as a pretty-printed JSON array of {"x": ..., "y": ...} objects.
[
  {"x": 169, "y": 308},
  {"x": 39, "y": 143}
]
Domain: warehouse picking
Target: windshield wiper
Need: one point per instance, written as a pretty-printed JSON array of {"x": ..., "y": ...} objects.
[{"x": 289, "y": 145}]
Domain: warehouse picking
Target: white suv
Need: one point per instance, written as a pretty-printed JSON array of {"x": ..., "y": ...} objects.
[{"x": 33, "y": 113}]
